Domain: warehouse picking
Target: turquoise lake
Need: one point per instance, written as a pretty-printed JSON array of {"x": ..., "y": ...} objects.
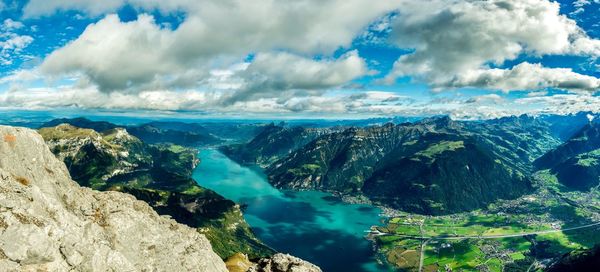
[{"x": 311, "y": 225}]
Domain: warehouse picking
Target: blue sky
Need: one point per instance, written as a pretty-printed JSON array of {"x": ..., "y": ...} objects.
[{"x": 335, "y": 58}]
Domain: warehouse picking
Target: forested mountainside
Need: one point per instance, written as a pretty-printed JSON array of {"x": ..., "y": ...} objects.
[
  {"x": 578, "y": 260},
  {"x": 272, "y": 143},
  {"x": 576, "y": 163},
  {"x": 423, "y": 159},
  {"x": 158, "y": 174}
]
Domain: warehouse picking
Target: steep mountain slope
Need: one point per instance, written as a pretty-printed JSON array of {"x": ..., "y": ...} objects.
[
  {"x": 565, "y": 126},
  {"x": 434, "y": 166},
  {"x": 576, "y": 162},
  {"x": 272, "y": 143},
  {"x": 445, "y": 175},
  {"x": 84, "y": 151},
  {"x": 48, "y": 222},
  {"x": 339, "y": 161},
  {"x": 157, "y": 174}
]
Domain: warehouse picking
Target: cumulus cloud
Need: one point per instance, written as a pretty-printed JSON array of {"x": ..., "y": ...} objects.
[
  {"x": 11, "y": 43},
  {"x": 488, "y": 98},
  {"x": 10, "y": 24},
  {"x": 141, "y": 55},
  {"x": 91, "y": 98},
  {"x": 273, "y": 74},
  {"x": 561, "y": 103},
  {"x": 116, "y": 54},
  {"x": 456, "y": 41},
  {"x": 203, "y": 64},
  {"x": 526, "y": 76},
  {"x": 191, "y": 100},
  {"x": 20, "y": 76},
  {"x": 35, "y": 8}
]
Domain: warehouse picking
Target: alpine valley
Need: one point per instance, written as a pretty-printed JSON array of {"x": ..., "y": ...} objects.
[{"x": 510, "y": 194}]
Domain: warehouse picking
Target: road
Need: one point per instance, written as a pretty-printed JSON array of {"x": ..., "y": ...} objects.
[
  {"x": 491, "y": 236},
  {"x": 422, "y": 258},
  {"x": 423, "y": 245},
  {"x": 426, "y": 239}
]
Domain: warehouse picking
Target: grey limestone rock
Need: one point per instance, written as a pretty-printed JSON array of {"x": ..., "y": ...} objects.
[{"x": 49, "y": 223}]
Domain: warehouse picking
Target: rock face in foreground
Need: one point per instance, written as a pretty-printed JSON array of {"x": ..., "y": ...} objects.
[
  {"x": 160, "y": 175},
  {"x": 284, "y": 263},
  {"x": 276, "y": 263},
  {"x": 48, "y": 222}
]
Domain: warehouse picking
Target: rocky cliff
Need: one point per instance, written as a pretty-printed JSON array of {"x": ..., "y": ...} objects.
[
  {"x": 157, "y": 174},
  {"x": 48, "y": 222}
]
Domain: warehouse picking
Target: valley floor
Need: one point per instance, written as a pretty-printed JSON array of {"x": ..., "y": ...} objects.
[{"x": 525, "y": 234}]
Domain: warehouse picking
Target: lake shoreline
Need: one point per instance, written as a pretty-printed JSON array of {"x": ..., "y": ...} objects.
[{"x": 320, "y": 227}]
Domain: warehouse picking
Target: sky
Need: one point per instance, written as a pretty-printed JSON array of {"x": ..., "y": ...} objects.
[{"x": 468, "y": 59}]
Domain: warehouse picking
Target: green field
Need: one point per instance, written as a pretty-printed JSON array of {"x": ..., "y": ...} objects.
[{"x": 470, "y": 242}]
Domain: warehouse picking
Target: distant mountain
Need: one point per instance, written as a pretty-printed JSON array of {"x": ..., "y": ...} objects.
[
  {"x": 81, "y": 122},
  {"x": 433, "y": 166},
  {"x": 576, "y": 162},
  {"x": 151, "y": 134},
  {"x": 229, "y": 131},
  {"x": 157, "y": 174},
  {"x": 565, "y": 126},
  {"x": 147, "y": 132},
  {"x": 272, "y": 143}
]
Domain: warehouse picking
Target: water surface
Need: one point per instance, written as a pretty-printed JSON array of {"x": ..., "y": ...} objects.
[{"x": 312, "y": 225}]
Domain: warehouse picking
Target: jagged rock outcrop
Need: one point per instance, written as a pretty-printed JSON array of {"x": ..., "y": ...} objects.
[
  {"x": 48, "y": 222},
  {"x": 160, "y": 175},
  {"x": 284, "y": 263},
  {"x": 277, "y": 263}
]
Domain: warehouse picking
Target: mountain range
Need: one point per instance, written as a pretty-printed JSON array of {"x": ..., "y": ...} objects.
[{"x": 432, "y": 166}]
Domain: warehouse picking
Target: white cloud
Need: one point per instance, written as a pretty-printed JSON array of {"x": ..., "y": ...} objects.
[
  {"x": 11, "y": 46},
  {"x": 488, "y": 98},
  {"x": 20, "y": 76},
  {"x": 561, "y": 103},
  {"x": 140, "y": 54},
  {"x": 116, "y": 55},
  {"x": 274, "y": 74},
  {"x": 12, "y": 43},
  {"x": 453, "y": 40},
  {"x": 9, "y": 25},
  {"x": 199, "y": 65},
  {"x": 370, "y": 103},
  {"x": 35, "y": 8},
  {"x": 525, "y": 76}
]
